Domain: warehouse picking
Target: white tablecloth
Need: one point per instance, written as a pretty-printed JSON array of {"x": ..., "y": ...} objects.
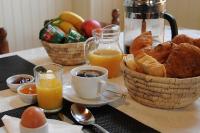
[{"x": 171, "y": 121}]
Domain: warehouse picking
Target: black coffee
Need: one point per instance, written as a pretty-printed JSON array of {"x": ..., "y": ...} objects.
[{"x": 89, "y": 73}]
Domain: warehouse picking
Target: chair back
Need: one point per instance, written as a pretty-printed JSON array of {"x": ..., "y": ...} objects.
[{"x": 4, "y": 48}]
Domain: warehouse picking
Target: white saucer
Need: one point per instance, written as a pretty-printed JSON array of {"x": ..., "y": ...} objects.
[{"x": 106, "y": 98}]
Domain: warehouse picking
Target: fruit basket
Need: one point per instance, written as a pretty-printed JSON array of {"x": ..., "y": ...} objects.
[
  {"x": 161, "y": 92},
  {"x": 63, "y": 37},
  {"x": 65, "y": 54}
]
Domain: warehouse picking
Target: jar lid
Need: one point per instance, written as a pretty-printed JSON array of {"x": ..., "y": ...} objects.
[{"x": 145, "y": 6}]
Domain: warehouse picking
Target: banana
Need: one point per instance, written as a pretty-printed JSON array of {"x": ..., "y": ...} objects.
[
  {"x": 72, "y": 18},
  {"x": 66, "y": 26}
]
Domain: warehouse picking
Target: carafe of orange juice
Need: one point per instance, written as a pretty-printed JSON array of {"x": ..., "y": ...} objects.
[{"x": 103, "y": 49}]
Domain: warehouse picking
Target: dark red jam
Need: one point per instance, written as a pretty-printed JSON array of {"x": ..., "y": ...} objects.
[{"x": 21, "y": 80}]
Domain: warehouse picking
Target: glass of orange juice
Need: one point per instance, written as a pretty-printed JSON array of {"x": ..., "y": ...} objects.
[
  {"x": 103, "y": 49},
  {"x": 48, "y": 79}
]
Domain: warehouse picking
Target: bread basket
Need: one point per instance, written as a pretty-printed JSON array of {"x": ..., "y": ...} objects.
[
  {"x": 160, "y": 92},
  {"x": 65, "y": 54}
]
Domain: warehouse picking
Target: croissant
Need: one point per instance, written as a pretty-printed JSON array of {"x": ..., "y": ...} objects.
[
  {"x": 161, "y": 51},
  {"x": 149, "y": 65},
  {"x": 130, "y": 62},
  {"x": 140, "y": 42},
  {"x": 183, "y": 61},
  {"x": 182, "y": 38},
  {"x": 196, "y": 42}
]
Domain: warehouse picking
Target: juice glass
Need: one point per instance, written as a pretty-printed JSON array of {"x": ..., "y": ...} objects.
[
  {"x": 103, "y": 49},
  {"x": 48, "y": 79}
]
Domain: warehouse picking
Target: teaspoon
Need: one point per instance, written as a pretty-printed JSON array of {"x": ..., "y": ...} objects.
[{"x": 83, "y": 116}]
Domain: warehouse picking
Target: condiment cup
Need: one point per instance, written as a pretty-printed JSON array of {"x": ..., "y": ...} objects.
[
  {"x": 27, "y": 98},
  {"x": 13, "y": 86},
  {"x": 41, "y": 129}
]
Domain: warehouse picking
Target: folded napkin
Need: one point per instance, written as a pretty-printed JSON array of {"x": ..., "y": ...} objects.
[{"x": 55, "y": 126}]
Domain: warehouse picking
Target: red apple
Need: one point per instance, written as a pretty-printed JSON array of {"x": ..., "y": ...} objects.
[{"x": 89, "y": 25}]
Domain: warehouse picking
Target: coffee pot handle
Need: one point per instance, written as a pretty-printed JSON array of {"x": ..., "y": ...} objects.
[{"x": 173, "y": 24}]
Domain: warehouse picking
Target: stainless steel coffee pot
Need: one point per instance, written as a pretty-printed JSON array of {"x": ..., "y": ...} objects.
[{"x": 146, "y": 15}]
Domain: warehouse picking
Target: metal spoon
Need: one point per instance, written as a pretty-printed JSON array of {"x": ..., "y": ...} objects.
[{"x": 83, "y": 116}]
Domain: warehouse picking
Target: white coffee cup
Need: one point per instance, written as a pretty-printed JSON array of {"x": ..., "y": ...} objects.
[{"x": 89, "y": 87}]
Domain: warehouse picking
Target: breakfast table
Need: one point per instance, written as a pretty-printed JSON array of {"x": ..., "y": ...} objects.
[{"x": 171, "y": 121}]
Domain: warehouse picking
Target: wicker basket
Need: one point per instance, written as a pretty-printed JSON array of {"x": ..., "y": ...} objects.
[
  {"x": 165, "y": 93},
  {"x": 65, "y": 54}
]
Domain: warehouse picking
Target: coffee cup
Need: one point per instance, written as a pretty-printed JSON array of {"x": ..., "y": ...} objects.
[{"x": 89, "y": 81}]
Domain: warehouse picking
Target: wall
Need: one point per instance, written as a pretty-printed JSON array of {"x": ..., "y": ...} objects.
[
  {"x": 23, "y": 19},
  {"x": 82, "y": 7},
  {"x": 98, "y": 9},
  {"x": 186, "y": 12},
  {"x": 102, "y": 9}
]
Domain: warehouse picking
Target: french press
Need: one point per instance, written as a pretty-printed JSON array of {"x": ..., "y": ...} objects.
[{"x": 146, "y": 15}]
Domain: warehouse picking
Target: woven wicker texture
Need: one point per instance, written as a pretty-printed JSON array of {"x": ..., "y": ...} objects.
[
  {"x": 65, "y": 54},
  {"x": 159, "y": 92}
]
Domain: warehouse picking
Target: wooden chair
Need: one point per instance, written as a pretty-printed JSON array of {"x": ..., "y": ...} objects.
[
  {"x": 115, "y": 18},
  {"x": 4, "y": 48}
]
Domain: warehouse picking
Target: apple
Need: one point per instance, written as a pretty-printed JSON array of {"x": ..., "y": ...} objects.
[{"x": 89, "y": 25}]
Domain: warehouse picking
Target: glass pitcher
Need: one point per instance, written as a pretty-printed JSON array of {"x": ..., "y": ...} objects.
[
  {"x": 146, "y": 15},
  {"x": 103, "y": 49}
]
